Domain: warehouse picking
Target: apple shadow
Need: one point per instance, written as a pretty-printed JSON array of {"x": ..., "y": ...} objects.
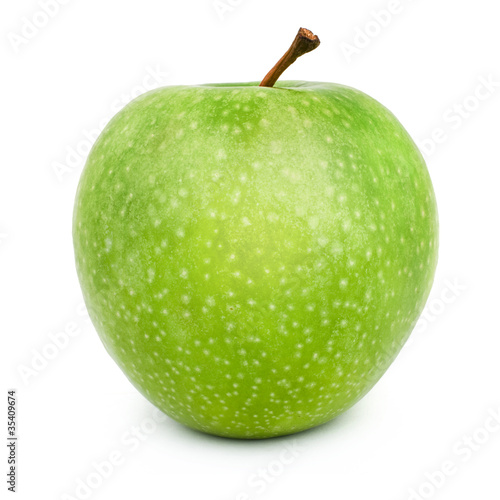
[{"x": 331, "y": 428}]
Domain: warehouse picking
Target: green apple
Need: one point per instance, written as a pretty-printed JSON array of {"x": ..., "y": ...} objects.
[{"x": 254, "y": 257}]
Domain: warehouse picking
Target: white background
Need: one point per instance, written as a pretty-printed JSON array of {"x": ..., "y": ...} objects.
[{"x": 76, "y": 409}]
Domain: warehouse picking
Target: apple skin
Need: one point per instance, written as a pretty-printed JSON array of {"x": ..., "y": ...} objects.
[{"x": 254, "y": 258}]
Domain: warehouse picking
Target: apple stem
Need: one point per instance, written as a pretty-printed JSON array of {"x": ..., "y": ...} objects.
[{"x": 304, "y": 42}]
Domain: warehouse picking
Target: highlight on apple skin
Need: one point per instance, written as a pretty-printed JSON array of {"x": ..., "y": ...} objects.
[{"x": 254, "y": 257}]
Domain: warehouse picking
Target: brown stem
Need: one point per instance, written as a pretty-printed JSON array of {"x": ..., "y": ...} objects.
[{"x": 304, "y": 42}]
